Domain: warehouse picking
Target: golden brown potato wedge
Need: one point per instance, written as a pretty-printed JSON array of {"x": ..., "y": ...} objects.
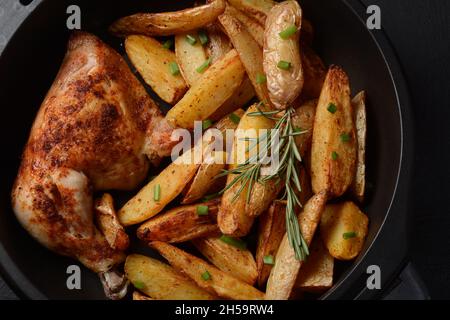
[
  {"x": 205, "y": 180},
  {"x": 181, "y": 224},
  {"x": 109, "y": 224},
  {"x": 153, "y": 62},
  {"x": 232, "y": 217},
  {"x": 359, "y": 107},
  {"x": 253, "y": 26},
  {"x": 262, "y": 195},
  {"x": 160, "y": 281},
  {"x": 140, "y": 297},
  {"x": 257, "y": 9},
  {"x": 152, "y": 198},
  {"x": 240, "y": 98},
  {"x": 217, "y": 84},
  {"x": 304, "y": 119},
  {"x": 343, "y": 228},
  {"x": 333, "y": 151},
  {"x": 235, "y": 261},
  {"x": 284, "y": 273},
  {"x": 249, "y": 51},
  {"x": 316, "y": 274},
  {"x": 219, "y": 44},
  {"x": 281, "y": 55},
  {"x": 168, "y": 23},
  {"x": 271, "y": 229},
  {"x": 189, "y": 57},
  {"x": 207, "y": 276},
  {"x": 314, "y": 71}
]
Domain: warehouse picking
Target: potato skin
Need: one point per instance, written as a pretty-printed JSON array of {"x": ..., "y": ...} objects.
[
  {"x": 152, "y": 60},
  {"x": 333, "y": 160},
  {"x": 168, "y": 23},
  {"x": 237, "y": 262},
  {"x": 271, "y": 230},
  {"x": 216, "y": 86},
  {"x": 181, "y": 224},
  {"x": 314, "y": 71},
  {"x": 284, "y": 85},
  {"x": 220, "y": 282},
  {"x": 304, "y": 119},
  {"x": 316, "y": 275},
  {"x": 160, "y": 281},
  {"x": 359, "y": 184},
  {"x": 338, "y": 219},
  {"x": 284, "y": 273}
]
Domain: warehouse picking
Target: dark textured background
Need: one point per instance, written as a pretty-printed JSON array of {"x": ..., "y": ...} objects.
[{"x": 420, "y": 33}]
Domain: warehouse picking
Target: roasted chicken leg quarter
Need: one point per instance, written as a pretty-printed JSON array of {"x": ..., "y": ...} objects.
[{"x": 96, "y": 130}]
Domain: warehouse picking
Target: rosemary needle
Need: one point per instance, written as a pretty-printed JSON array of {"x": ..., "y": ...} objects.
[{"x": 249, "y": 172}]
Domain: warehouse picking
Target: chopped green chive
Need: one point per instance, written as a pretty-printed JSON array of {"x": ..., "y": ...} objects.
[
  {"x": 269, "y": 260},
  {"x": 139, "y": 285},
  {"x": 206, "y": 124},
  {"x": 168, "y": 44},
  {"x": 235, "y": 118},
  {"x": 238, "y": 243},
  {"x": 332, "y": 108},
  {"x": 345, "y": 137},
  {"x": 204, "y": 66},
  {"x": 349, "y": 235},
  {"x": 284, "y": 65},
  {"x": 191, "y": 39},
  {"x": 334, "y": 155},
  {"x": 288, "y": 32},
  {"x": 206, "y": 275},
  {"x": 157, "y": 192},
  {"x": 203, "y": 37},
  {"x": 202, "y": 210},
  {"x": 260, "y": 78},
  {"x": 174, "y": 69}
]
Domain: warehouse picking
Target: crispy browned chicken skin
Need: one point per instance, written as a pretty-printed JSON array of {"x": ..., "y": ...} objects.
[{"x": 95, "y": 130}]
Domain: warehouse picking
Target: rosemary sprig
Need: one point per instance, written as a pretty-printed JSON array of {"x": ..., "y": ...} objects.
[{"x": 249, "y": 172}]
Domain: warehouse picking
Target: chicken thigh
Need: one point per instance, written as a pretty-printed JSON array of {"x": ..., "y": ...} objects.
[{"x": 96, "y": 130}]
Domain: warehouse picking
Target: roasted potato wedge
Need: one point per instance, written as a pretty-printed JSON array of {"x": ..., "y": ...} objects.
[
  {"x": 217, "y": 84},
  {"x": 359, "y": 107},
  {"x": 271, "y": 230},
  {"x": 257, "y": 9},
  {"x": 281, "y": 55},
  {"x": 249, "y": 51},
  {"x": 152, "y": 198},
  {"x": 284, "y": 273},
  {"x": 160, "y": 281},
  {"x": 152, "y": 61},
  {"x": 189, "y": 57},
  {"x": 168, "y": 23},
  {"x": 253, "y": 26},
  {"x": 237, "y": 262},
  {"x": 140, "y": 297},
  {"x": 314, "y": 71},
  {"x": 207, "y": 276},
  {"x": 304, "y": 119},
  {"x": 232, "y": 217},
  {"x": 240, "y": 98},
  {"x": 181, "y": 224},
  {"x": 344, "y": 228},
  {"x": 205, "y": 180},
  {"x": 109, "y": 224},
  {"x": 333, "y": 151},
  {"x": 316, "y": 274},
  {"x": 219, "y": 44},
  {"x": 262, "y": 195}
]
